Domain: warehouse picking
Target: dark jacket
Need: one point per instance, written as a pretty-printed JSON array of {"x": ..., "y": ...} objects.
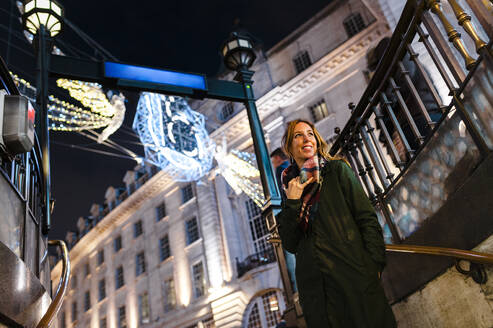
[{"x": 339, "y": 258}]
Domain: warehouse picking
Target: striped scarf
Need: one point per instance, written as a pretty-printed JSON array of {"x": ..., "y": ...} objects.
[{"x": 311, "y": 193}]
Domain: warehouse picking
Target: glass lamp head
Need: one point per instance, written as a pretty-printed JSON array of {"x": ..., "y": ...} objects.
[
  {"x": 237, "y": 51},
  {"x": 42, "y": 12}
]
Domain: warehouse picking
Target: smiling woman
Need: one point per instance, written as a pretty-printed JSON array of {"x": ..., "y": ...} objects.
[{"x": 329, "y": 223}]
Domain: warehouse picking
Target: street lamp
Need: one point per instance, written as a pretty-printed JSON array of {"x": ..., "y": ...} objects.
[
  {"x": 239, "y": 55},
  {"x": 43, "y": 18}
]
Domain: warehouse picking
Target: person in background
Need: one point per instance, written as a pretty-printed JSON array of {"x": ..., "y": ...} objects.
[
  {"x": 280, "y": 162},
  {"x": 328, "y": 221}
]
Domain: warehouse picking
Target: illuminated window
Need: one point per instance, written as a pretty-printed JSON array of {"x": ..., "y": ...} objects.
[
  {"x": 118, "y": 243},
  {"x": 169, "y": 295},
  {"x": 319, "y": 110},
  {"x": 140, "y": 264},
  {"x": 226, "y": 112},
  {"x": 100, "y": 257},
  {"x": 198, "y": 279},
  {"x": 87, "y": 301},
  {"x": 301, "y": 61},
  {"x": 160, "y": 211},
  {"x": 74, "y": 311},
  {"x": 164, "y": 250},
  {"x": 102, "y": 289},
  {"x": 186, "y": 193},
  {"x": 122, "y": 317},
  {"x": 353, "y": 24},
  {"x": 144, "y": 314},
  {"x": 192, "y": 229},
  {"x": 258, "y": 228},
  {"x": 102, "y": 323},
  {"x": 265, "y": 310},
  {"x": 119, "y": 279},
  {"x": 138, "y": 228}
]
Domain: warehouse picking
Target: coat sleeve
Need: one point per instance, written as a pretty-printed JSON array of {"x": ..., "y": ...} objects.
[
  {"x": 363, "y": 214},
  {"x": 288, "y": 224}
]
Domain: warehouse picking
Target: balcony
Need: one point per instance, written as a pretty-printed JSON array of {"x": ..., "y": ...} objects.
[{"x": 254, "y": 261}]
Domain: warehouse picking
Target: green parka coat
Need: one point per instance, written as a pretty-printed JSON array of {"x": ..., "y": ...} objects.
[{"x": 338, "y": 260}]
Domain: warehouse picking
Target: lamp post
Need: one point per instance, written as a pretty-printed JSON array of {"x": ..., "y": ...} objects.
[
  {"x": 239, "y": 56},
  {"x": 43, "y": 19}
]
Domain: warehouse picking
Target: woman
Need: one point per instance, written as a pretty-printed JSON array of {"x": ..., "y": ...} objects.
[{"x": 331, "y": 226}]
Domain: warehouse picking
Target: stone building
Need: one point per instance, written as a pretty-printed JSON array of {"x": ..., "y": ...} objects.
[{"x": 160, "y": 253}]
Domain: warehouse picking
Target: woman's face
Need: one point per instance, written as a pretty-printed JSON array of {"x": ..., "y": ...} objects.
[{"x": 304, "y": 144}]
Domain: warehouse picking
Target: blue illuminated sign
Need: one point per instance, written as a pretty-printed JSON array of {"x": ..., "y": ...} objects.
[{"x": 147, "y": 74}]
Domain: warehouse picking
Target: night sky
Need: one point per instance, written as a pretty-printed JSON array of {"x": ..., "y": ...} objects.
[{"x": 181, "y": 35}]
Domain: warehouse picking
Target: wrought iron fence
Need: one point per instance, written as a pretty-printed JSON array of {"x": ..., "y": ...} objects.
[
  {"x": 426, "y": 111},
  {"x": 254, "y": 261}
]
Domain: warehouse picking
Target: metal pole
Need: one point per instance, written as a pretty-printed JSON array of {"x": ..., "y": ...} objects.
[
  {"x": 43, "y": 57},
  {"x": 269, "y": 184}
]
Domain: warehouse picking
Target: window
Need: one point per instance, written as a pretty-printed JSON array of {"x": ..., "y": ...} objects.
[
  {"x": 74, "y": 281},
  {"x": 265, "y": 310},
  {"x": 140, "y": 264},
  {"x": 87, "y": 301},
  {"x": 192, "y": 230},
  {"x": 186, "y": 193},
  {"x": 301, "y": 61},
  {"x": 144, "y": 315},
  {"x": 131, "y": 188},
  {"x": 74, "y": 311},
  {"x": 100, "y": 257},
  {"x": 209, "y": 323},
  {"x": 353, "y": 24},
  {"x": 62, "y": 320},
  {"x": 319, "y": 110},
  {"x": 118, "y": 243},
  {"x": 164, "y": 250},
  {"x": 102, "y": 289},
  {"x": 122, "y": 318},
  {"x": 226, "y": 111},
  {"x": 119, "y": 279},
  {"x": 169, "y": 295},
  {"x": 258, "y": 227},
  {"x": 138, "y": 228},
  {"x": 160, "y": 211},
  {"x": 87, "y": 270},
  {"x": 102, "y": 322},
  {"x": 198, "y": 279}
]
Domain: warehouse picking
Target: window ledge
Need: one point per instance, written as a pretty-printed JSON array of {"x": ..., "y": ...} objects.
[
  {"x": 167, "y": 260},
  {"x": 198, "y": 241},
  {"x": 188, "y": 202}
]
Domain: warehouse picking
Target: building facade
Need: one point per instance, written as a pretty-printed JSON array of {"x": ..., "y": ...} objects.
[{"x": 161, "y": 253}]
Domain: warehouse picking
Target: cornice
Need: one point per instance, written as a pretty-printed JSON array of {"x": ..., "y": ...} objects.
[
  {"x": 114, "y": 219},
  {"x": 318, "y": 73}
]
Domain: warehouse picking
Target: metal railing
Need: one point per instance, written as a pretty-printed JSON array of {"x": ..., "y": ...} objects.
[
  {"x": 254, "y": 261},
  {"x": 56, "y": 304},
  {"x": 476, "y": 259},
  {"x": 421, "y": 102}
]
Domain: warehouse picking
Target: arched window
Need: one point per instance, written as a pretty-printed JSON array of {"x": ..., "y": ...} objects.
[
  {"x": 353, "y": 24},
  {"x": 265, "y": 310}
]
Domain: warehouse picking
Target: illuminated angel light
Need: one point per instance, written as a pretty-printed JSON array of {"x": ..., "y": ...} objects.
[
  {"x": 118, "y": 104},
  {"x": 240, "y": 173},
  {"x": 89, "y": 94},
  {"x": 174, "y": 136},
  {"x": 65, "y": 116}
]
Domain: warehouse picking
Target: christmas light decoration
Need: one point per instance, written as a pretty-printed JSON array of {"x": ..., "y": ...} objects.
[
  {"x": 174, "y": 136},
  {"x": 240, "y": 173}
]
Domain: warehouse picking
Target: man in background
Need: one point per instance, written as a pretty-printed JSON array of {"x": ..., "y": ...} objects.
[{"x": 280, "y": 162}]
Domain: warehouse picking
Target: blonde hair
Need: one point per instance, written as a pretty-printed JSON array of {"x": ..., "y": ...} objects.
[{"x": 322, "y": 146}]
